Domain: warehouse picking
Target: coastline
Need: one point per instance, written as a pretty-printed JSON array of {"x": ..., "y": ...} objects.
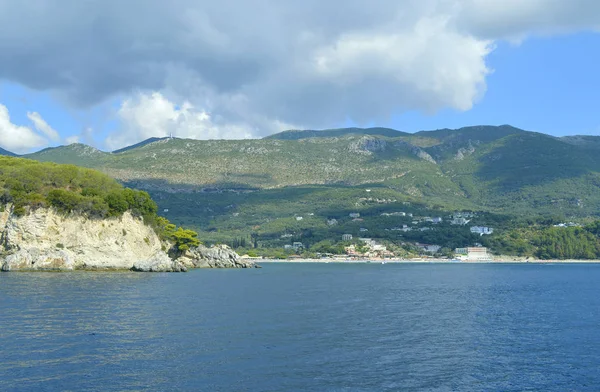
[{"x": 427, "y": 261}]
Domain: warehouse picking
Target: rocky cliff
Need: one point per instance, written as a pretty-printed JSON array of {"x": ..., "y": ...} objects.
[
  {"x": 45, "y": 240},
  {"x": 218, "y": 256}
]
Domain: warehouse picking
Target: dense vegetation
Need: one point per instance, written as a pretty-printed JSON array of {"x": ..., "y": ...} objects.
[{"x": 69, "y": 189}]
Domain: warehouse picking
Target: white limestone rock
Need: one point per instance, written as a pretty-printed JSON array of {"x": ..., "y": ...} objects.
[
  {"x": 217, "y": 256},
  {"x": 160, "y": 262},
  {"x": 46, "y": 240}
]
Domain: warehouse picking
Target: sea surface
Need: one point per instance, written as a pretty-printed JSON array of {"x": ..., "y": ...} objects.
[{"x": 305, "y": 327}]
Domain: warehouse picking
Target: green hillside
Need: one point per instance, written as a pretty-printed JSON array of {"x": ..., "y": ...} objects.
[
  {"x": 256, "y": 190},
  {"x": 341, "y": 132}
]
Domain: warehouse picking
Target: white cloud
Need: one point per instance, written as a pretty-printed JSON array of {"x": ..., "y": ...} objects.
[
  {"x": 16, "y": 138},
  {"x": 42, "y": 126},
  {"x": 72, "y": 139},
  {"x": 241, "y": 67},
  {"x": 153, "y": 115}
]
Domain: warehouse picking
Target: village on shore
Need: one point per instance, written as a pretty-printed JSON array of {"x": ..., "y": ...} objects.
[{"x": 372, "y": 250}]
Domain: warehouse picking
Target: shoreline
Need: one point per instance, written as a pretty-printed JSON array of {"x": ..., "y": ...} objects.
[{"x": 426, "y": 261}]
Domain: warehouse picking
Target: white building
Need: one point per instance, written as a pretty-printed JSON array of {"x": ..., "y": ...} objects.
[
  {"x": 354, "y": 215},
  {"x": 482, "y": 230},
  {"x": 346, "y": 237},
  {"x": 459, "y": 221},
  {"x": 429, "y": 248},
  {"x": 299, "y": 218},
  {"x": 473, "y": 253}
]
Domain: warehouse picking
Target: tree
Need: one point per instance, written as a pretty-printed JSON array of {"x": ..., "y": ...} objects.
[{"x": 185, "y": 239}]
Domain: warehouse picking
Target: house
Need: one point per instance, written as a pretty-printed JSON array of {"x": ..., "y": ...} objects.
[
  {"x": 354, "y": 215},
  {"x": 362, "y": 230},
  {"x": 428, "y": 248},
  {"x": 287, "y": 235},
  {"x": 437, "y": 220},
  {"x": 297, "y": 246},
  {"x": 166, "y": 210},
  {"x": 332, "y": 222},
  {"x": 287, "y": 247},
  {"x": 368, "y": 241},
  {"x": 394, "y": 214},
  {"x": 459, "y": 221},
  {"x": 299, "y": 218},
  {"x": 570, "y": 224},
  {"x": 482, "y": 230},
  {"x": 432, "y": 248},
  {"x": 478, "y": 253},
  {"x": 346, "y": 237},
  {"x": 357, "y": 220}
]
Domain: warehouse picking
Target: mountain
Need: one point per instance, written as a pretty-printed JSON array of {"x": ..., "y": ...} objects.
[
  {"x": 140, "y": 144},
  {"x": 75, "y": 154},
  {"x": 7, "y": 153},
  {"x": 340, "y": 132},
  {"x": 244, "y": 188},
  {"x": 584, "y": 141}
]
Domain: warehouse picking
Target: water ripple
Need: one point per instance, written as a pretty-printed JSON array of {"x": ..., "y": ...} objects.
[{"x": 304, "y": 328}]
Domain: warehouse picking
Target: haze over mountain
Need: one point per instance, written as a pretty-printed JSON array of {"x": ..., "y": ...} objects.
[{"x": 8, "y": 153}]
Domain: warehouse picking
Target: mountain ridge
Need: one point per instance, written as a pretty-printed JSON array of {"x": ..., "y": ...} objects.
[{"x": 7, "y": 153}]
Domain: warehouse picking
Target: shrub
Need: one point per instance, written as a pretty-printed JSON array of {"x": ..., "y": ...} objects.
[{"x": 117, "y": 204}]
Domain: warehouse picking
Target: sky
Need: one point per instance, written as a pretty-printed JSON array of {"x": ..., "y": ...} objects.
[{"x": 111, "y": 73}]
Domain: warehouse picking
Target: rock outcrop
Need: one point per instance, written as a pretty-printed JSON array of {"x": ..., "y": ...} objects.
[
  {"x": 218, "y": 256},
  {"x": 45, "y": 240},
  {"x": 367, "y": 145},
  {"x": 160, "y": 262}
]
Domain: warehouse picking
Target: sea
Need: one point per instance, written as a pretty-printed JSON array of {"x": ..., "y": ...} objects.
[{"x": 305, "y": 327}]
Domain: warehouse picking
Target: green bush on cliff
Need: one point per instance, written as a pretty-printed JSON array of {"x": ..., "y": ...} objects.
[{"x": 181, "y": 238}]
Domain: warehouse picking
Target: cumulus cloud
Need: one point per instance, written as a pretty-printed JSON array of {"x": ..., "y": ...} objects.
[
  {"x": 17, "y": 138},
  {"x": 237, "y": 67},
  {"x": 41, "y": 125},
  {"x": 72, "y": 139},
  {"x": 153, "y": 115}
]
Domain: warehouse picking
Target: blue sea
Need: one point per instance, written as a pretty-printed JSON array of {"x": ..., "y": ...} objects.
[{"x": 305, "y": 327}]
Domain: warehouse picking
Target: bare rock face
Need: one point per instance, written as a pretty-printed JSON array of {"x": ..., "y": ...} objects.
[
  {"x": 367, "y": 145},
  {"x": 36, "y": 260},
  {"x": 160, "y": 262},
  {"x": 46, "y": 240},
  {"x": 218, "y": 256},
  {"x": 417, "y": 151}
]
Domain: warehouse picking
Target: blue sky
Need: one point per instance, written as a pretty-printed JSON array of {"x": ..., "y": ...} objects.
[
  {"x": 106, "y": 75},
  {"x": 548, "y": 85}
]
